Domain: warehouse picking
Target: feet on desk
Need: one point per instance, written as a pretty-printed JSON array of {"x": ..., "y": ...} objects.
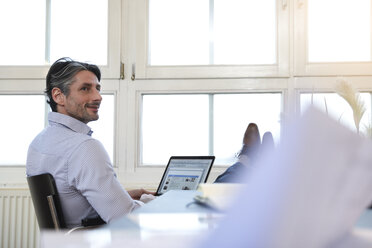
[
  {"x": 251, "y": 149},
  {"x": 268, "y": 141},
  {"x": 252, "y": 141}
]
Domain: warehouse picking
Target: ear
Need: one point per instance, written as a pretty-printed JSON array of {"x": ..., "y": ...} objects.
[{"x": 58, "y": 96}]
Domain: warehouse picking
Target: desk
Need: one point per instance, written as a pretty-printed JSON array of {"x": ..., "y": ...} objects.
[
  {"x": 175, "y": 210},
  {"x": 174, "y": 201},
  {"x": 168, "y": 221},
  {"x": 171, "y": 220}
]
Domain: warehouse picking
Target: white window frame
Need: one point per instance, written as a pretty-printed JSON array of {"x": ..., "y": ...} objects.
[
  {"x": 111, "y": 70},
  {"x": 15, "y": 174},
  {"x": 145, "y": 71},
  {"x": 134, "y": 173},
  {"x": 127, "y": 17},
  {"x": 302, "y": 66},
  {"x": 327, "y": 85}
]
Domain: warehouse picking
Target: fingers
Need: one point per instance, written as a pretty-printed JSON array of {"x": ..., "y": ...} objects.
[
  {"x": 137, "y": 193},
  {"x": 148, "y": 192}
]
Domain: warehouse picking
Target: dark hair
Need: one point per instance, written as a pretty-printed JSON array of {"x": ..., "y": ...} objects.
[{"x": 61, "y": 75}]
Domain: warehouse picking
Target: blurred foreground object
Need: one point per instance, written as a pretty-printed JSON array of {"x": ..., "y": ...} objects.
[
  {"x": 309, "y": 192},
  {"x": 219, "y": 195}
]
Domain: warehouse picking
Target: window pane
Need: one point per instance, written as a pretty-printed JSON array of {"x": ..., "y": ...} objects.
[
  {"x": 22, "y": 119},
  {"x": 339, "y": 30},
  {"x": 244, "y": 32},
  {"x": 103, "y": 128},
  {"x": 337, "y": 108},
  {"x": 174, "y": 125},
  {"x": 16, "y": 136},
  {"x": 219, "y": 32},
  {"x": 79, "y": 30},
  {"x": 75, "y": 31},
  {"x": 179, "y": 32},
  {"x": 233, "y": 113},
  {"x": 184, "y": 124},
  {"x": 22, "y": 32}
]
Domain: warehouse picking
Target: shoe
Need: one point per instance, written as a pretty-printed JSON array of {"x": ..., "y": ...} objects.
[
  {"x": 252, "y": 136},
  {"x": 268, "y": 141},
  {"x": 251, "y": 141}
]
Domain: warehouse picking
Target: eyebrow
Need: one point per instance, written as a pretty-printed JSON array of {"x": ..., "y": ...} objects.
[{"x": 90, "y": 85}]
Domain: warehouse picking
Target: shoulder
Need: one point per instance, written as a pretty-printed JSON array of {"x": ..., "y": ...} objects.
[
  {"x": 89, "y": 151},
  {"x": 91, "y": 144},
  {"x": 87, "y": 161}
]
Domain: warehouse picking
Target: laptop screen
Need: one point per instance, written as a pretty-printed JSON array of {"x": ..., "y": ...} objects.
[{"x": 185, "y": 173}]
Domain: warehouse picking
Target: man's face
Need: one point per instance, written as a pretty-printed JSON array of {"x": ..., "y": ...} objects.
[{"x": 84, "y": 98}]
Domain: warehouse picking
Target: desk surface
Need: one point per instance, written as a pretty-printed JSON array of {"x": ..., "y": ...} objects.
[
  {"x": 179, "y": 203},
  {"x": 174, "y": 210},
  {"x": 168, "y": 221},
  {"x": 174, "y": 201}
]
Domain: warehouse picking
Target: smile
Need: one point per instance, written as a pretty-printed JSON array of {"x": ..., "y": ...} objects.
[{"x": 94, "y": 107}]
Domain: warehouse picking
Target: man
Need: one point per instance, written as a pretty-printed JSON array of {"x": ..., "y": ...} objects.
[
  {"x": 80, "y": 165},
  {"x": 251, "y": 149}
]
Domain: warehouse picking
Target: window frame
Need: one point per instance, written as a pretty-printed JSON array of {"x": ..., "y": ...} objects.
[
  {"x": 15, "y": 174},
  {"x": 302, "y": 67},
  {"x": 111, "y": 70},
  {"x": 134, "y": 173},
  {"x": 293, "y": 78},
  {"x": 145, "y": 71}
]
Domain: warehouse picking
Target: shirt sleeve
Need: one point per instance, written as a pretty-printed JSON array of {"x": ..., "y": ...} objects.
[{"x": 90, "y": 172}]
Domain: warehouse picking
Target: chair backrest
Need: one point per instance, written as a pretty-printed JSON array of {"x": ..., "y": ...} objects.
[{"x": 46, "y": 201}]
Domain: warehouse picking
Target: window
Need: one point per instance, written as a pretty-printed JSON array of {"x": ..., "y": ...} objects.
[
  {"x": 176, "y": 123},
  {"x": 25, "y": 116},
  {"x": 233, "y": 113},
  {"x": 208, "y": 37},
  {"x": 204, "y": 124},
  {"x": 81, "y": 33},
  {"x": 32, "y": 40},
  {"x": 25, "y": 26},
  {"x": 333, "y": 37},
  {"x": 338, "y": 109},
  {"x": 218, "y": 38},
  {"x": 200, "y": 55}
]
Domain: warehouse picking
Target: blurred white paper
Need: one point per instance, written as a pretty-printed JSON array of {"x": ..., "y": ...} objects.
[{"x": 309, "y": 192}]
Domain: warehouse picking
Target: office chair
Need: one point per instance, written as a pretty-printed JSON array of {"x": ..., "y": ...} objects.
[
  {"x": 47, "y": 205},
  {"x": 46, "y": 202}
]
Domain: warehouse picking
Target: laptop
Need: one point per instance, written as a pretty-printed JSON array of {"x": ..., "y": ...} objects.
[{"x": 185, "y": 173}]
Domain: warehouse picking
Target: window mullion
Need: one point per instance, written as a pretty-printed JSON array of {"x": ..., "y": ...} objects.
[
  {"x": 211, "y": 32},
  {"x": 47, "y": 30},
  {"x": 211, "y": 124}
]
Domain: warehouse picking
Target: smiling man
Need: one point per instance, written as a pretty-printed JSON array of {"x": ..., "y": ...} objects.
[
  {"x": 80, "y": 165},
  {"x": 83, "y": 98}
]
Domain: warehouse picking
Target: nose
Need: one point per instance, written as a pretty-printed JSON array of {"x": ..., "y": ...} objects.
[{"x": 97, "y": 95}]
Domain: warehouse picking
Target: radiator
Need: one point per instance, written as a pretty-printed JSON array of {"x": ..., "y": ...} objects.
[{"x": 18, "y": 224}]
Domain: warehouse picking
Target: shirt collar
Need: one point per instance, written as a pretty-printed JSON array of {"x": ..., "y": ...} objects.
[{"x": 69, "y": 122}]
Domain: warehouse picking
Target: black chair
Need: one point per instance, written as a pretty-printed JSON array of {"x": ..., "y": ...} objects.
[
  {"x": 46, "y": 202},
  {"x": 47, "y": 205}
]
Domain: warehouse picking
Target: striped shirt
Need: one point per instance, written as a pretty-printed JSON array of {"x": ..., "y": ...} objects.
[{"x": 86, "y": 182}]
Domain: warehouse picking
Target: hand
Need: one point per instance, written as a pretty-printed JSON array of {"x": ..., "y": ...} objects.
[
  {"x": 136, "y": 193},
  {"x": 145, "y": 198}
]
